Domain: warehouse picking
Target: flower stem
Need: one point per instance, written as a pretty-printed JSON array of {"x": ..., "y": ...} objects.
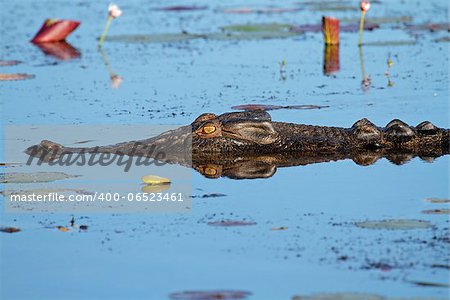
[
  {"x": 105, "y": 31},
  {"x": 361, "y": 28}
]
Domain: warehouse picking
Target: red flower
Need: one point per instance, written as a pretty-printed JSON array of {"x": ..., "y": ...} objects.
[{"x": 54, "y": 30}]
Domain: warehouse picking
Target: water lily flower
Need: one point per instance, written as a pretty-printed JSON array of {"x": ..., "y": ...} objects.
[
  {"x": 365, "y": 6},
  {"x": 113, "y": 12}
]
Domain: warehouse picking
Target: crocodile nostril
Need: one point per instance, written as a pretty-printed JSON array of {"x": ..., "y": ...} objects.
[
  {"x": 396, "y": 122},
  {"x": 398, "y": 130}
]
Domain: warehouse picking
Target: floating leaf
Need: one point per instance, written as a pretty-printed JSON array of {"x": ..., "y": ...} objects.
[
  {"x": 263, "y": 27},
  {"x": 9, "y": 229},
  {"x": 231, "y": 223},
  {"x": 155, "y": 180},
  {"x": 443, "y": 211},
  {"x": 433, "y": 27},
  {"x": 17, "y": 76},
  {"x": 381, "y": 20},
  {"x": 280, "y": 228},
  {"x": 7, "y": 63},
  {"x": 268, "y": 10},
  {"x": 430, "y": 284},
  {"x": 54, "y": 30},
  {"x": 444, "y": 39},
  {"x": 62, "y": 228},
  {"x": 182, "y": 8},
  {"x": 210, "y": 295},
  {"x": 437, "y": 200},
  {"x": 353, "y": 27},
  {"x": 16, "y": 177},
  {"x": 340, "y": 296},
  {"x": 252, "y": 107},
  {"x": 400, "y": 224},
  {"x": 390, "y": 43}
]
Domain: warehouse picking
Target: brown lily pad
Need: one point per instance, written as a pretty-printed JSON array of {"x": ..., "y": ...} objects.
[
  {"x": 443, "y": 211},
  {"x": 430, "y": 284},
  {"x": 267, "y": 10},
  {"x": 252, "y": 107},
  {"x": 7, "y": 63},
  {"x": 182, "y": 8},
  {"x": 231, "y": 223},
  {"x": 210, "y": 295},
  {"x": 9, "y": 229},
  {"x": 16, "y": 76},
  {"x": 437, "y": 200}
]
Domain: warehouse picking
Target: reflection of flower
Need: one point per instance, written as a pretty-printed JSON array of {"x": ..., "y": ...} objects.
[
  {"x": 115, "y": 12},
  {"x": 365, "y": 83},
  {"x": 364, "y": 5},
  {"x": 116, "y": 81}
]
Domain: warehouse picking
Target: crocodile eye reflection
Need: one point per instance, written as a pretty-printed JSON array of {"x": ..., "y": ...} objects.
[{"x": 208, "y": 129}]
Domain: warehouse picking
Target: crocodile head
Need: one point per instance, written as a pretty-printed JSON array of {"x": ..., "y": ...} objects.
[{"x": 232, "y": 131}]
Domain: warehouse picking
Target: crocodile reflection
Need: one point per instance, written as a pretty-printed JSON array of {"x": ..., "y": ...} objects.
[{"x": 248, "y": 145}]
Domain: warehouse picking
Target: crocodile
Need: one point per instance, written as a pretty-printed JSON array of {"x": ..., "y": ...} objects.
[{"x": 251, "y": 145}]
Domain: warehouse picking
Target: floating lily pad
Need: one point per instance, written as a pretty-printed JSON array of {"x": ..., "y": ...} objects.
[
  {"x": 437, "y": 200},
  {"x": 270, "y": 33},
  {"x": 14, "y": 77},
  {"x": 400, "y": 224},
  {"x": 182, "y": 8},
  {"x": 444, "y": 39},
  {"x": 267, "y": 10},
  {"x": 443, "y": 211},
  {"x": 381, "y": 20},
  {"x": 14, "y": 177},
  {"x": 391, "y": 43},
  {"x": 9, "y": 229},
  {"x": 231, "y": 223},
  {"x": 154, "y": 38},
  {"x": 7, "y": 63},
  {"x": 340, "y": 296},
  {"x": 252, "y": 107},
  {"x": 264, "y": 27},
  {"x": 210, "y": 295},
  {"x": 430, "y": 284},
  {"x": 279, "y": 228}
]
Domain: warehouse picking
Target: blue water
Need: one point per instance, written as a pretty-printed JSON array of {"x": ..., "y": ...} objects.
[{"x": 149, "y": 256}]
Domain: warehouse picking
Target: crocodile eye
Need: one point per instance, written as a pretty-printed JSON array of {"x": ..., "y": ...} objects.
[
  {"x": 209, "y": 129},
  {"x": 210, "y": 171}
]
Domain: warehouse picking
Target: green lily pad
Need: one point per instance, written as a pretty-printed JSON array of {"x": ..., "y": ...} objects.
[
  {"x": 391, "y": 43},
  {"x": 439, "y": 211},
  {"x": 381, "y": 20},
  {"x": 437, "y": 200},
  {"x": 340, "y": 296},
  {"x": 395, "y": 224},
  {"x": 154, "y": 38},
  {"x": 16, "y": 177},
  {"x": 264, "y": 27},
  {"x": 257, "y": 33}
]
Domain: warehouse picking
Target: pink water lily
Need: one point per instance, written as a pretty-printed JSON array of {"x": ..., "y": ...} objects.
[
  {"x": 364, "y": 5},
  {"x": 114, "y": 11}
]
